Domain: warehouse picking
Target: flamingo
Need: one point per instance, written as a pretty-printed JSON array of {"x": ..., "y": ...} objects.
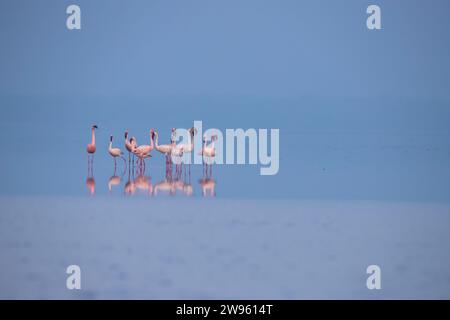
[
  {"x": 143, "y": 151},
  {"x": 188, "y": 147},
  {"x": 165, "y": 149},
  {"x": 178, "y": 151},
  {"x": 130, "y": 144},
  {"x": 182, "y": 148},
  {"x": 208, "y": 151},
  {"x": 91, "y": 147},
  {"x": 115, "y": 152}
]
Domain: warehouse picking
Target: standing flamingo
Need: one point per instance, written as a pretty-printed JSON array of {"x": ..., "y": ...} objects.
[
  {"x": 187, "y": 147},
  {"x": 208, "y": 151},
  {"x": 115, "y": 152},
  {"x": 165, "y": 149},
  {"x": 143, "y": 151},
  {"x": 130, "y": 145},
  {"x": 91, "y": 146}
]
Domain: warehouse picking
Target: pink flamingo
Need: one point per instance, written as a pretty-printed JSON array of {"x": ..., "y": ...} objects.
[
  {"x": 189, "y": 147},
  {"x": 178, "y": 151},
  {"x": 208, "y": 151},
  {"x": 115, "y": 152},
  {"x": 165, "y": 149},
  {"x": 130, "y": 145},
  {"x": 91, "y": 146},
  {"x": 143, "y": 151}
]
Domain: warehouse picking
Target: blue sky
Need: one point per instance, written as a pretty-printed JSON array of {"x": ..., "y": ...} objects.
[{"x": 252, "y": 48}]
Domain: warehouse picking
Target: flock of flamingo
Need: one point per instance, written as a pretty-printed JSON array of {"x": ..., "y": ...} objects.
[{"x": 137, "y": 180}]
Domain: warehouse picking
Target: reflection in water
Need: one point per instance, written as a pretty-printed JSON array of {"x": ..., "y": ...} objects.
[
  {"x": 130, "y": 186},
  {"x": 90, "y": 184},
  {"x": 176, "y": 180},
  {"x": 207, "y": 183},
  {"x": 144, "y": 183},
  {"x": 137, "y": 180},
  {"x": 90, "y": 181},
  {"x": 114, "y": 180}
]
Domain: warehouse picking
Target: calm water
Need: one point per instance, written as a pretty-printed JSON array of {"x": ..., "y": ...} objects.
[
  {"x": 364, "y": 172},
  {"x": 369, "y": 184},
  {"x": 391, "y": 151}
]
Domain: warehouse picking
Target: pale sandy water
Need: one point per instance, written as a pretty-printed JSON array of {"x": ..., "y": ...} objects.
[{"x": 268, "y": 249}]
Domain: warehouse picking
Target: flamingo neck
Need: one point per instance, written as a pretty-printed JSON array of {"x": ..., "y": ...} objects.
[
  {"x": 156, "y": 140},
  {"x": 151, "y": 142},
  {"x": 93, "y": 137},
  {"x": 192, "y": 141}
]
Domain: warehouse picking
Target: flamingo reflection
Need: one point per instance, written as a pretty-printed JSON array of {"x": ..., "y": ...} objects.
[
  {"x": 208, "y": 185},
  {"x": 114, "y": 180},
  {"x": 130, "y": 186},
  {"x": 144, "y": 183},
  {"x": 165, "y": 185},
  {"x": 90, "y": 184}
]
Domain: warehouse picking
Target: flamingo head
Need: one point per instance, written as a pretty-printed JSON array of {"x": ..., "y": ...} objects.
[
  {"x": 126, "y": 134},
  {"x": 193, "y": 131},
  {"x": 94, "y": 126},
  {"x": 110, "y": 138}
]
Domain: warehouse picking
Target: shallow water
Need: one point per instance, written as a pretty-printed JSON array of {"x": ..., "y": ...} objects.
[
  {"x": 364, "y": 172},
  {"x": 345, "y": 197},
  {"x": 264, "y": 249},
  {"x": 378, "y": 151}
]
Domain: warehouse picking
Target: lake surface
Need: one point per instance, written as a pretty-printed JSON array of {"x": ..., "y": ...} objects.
[{"x": 369, "y": 184}]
